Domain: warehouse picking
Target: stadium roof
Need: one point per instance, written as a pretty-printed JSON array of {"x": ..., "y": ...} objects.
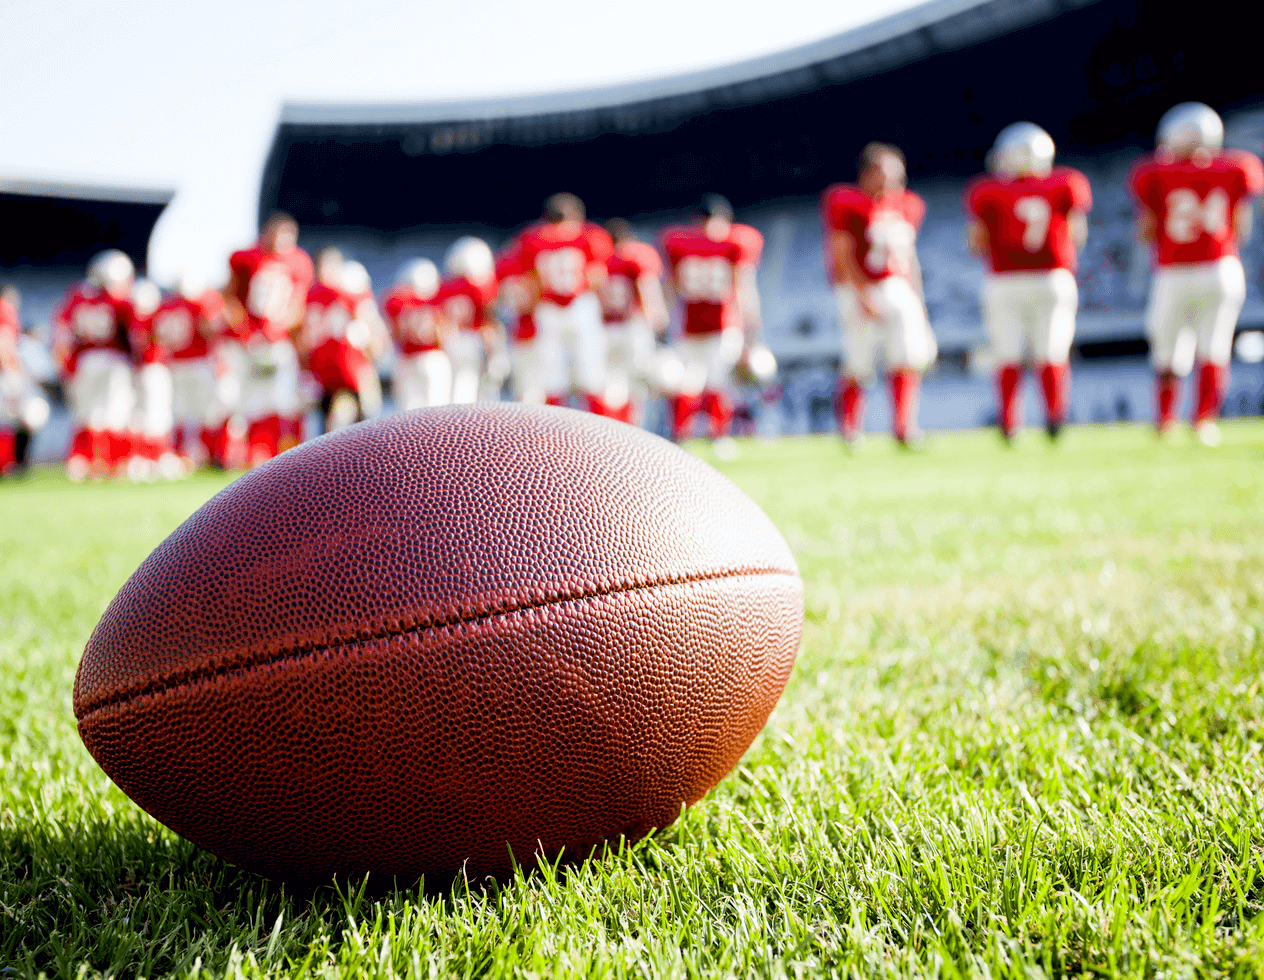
[{"x": 892, "y": 41}]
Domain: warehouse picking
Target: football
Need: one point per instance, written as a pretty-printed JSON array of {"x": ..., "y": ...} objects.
[{"x": 449, "y": 640}]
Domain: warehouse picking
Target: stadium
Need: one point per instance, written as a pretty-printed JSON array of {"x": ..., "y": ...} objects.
[{"x": 1020, "y": 734}]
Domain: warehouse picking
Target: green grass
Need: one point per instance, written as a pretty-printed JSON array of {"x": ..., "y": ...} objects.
[{"x": 1025, "y": 737}]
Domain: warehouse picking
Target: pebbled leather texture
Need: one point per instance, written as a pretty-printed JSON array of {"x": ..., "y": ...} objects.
[{"x": 421, "y": 644}]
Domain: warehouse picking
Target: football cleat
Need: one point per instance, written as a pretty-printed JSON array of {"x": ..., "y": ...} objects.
[
  {"x": 470, "y": 257},
  {"x": 1188, "y": 127},
  {"x": 1022, "y": 149},
  {"x": 421, "y": 275}
]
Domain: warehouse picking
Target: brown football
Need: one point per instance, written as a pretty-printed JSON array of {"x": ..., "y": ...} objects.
[{"x": 428, "y": 643}]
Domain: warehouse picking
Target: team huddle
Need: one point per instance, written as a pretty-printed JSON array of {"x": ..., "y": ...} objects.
[{"x": 573, "y": 313}]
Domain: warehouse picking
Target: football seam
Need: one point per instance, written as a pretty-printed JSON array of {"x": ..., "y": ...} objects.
[{"x": 180, "y": 679}]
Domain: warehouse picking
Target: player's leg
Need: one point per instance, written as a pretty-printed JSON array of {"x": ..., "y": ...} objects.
[
  {"x": 1051, "y": 346},
  {"x": 716, "y": 398},
  {"x": 695, "y": 353},
  {"x": 910, "y": 350},
  {"x": 859, "y": 359},
  {"x": 1215, "y": 324},
  {"x": 410, "y": 383},
  {"x": 119, "y": 409},
  {"x": 526, "y": 378},
  {"x": 586, "y": 336},
  {"x": 618, "y": 393},
  {"x": 551, "y": 353},
  {"x": 1004, "y": 323},
  {"x": 1172, "y": 343},
  {"x": 154, "y": 456}
]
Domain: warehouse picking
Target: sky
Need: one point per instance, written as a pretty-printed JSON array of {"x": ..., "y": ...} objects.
[{"x": 186, "y": 96}]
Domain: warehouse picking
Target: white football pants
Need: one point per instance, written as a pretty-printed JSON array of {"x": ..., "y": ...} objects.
[
  {"x": 528, "y": 384},
  {"x": 901, "y": 329},
  {"x": 156, "y": 398},
  {"x": 629, "y": 360},
  {"x": 193, "y": 392},
  {"x": 1031, "y": 313},
  {"x": 464, "y": 349},
  {"x": 1192, "y": 314},
  {"x": 423, "y": 380},
  {"x": 269, "y": 385},
  {"x": 707, "y": 360},
  {"x": 571, "y": 346},
  {"x": 101, "y": 392}
]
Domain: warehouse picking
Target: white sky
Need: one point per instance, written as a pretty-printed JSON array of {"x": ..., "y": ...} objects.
[{"x": 186, "y": 95}]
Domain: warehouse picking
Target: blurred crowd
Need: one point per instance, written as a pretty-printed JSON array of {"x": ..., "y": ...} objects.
[{"x": 573, "y": 313}]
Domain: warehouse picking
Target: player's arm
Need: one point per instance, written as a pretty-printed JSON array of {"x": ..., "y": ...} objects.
[
  {"x": 845, "y": 263},
  {"x": 649, "y": 288},
  {"x": 977, "y": 237},
  {"x": 746, "y": 287},
  {"x": 1077, "y": 224},
  {"x": 1244, "y": 220},
  {"x": 234, "y": 308},
  {"x": 1147, "y": 225},
  {"x": 915, "y": 275},
  {"x": 63, "y": 338}
]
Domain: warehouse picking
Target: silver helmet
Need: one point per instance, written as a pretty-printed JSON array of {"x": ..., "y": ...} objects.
[
  {"x": 470, "y": 257},
  {"x": 421, "y": 275},
  {"x": 1188, "y": 127},
  {"x": 1022, "y": 149},
  {"x": 112, "y": 271}
]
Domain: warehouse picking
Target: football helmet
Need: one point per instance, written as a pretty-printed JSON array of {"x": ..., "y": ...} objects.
[
  {"x": 421, "y": 275},
  {"x": 355, "y": 278},
  {"x": 146, "y": 297},
  {"x": 1022, "y": 149},
  {"x": 470, "y": 257},
  {"x": 192, "y": 284},
  {"x": 1188, "y": 127},
  {"x": 112, "y": 271}
]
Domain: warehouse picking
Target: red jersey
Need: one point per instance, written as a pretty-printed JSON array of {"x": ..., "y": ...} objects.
[
  {"x": 94, "y": 320},
  {"x": 620, "y": 298},
  {"x": 268, "y": 283},
  {"x": 327, "y": 315},
  {"x": 1194, "y": 204},
  {"x": 182, "y": 328},
  {"x": 414, "y": 321},
  {"x": 884, "y": 230},
  {"x": 516, "y": 292},
  {"x": 560, "y": 254},
  {"x": 467, "y": 303},
  {"x": 704, "y": 273},
  {"x": 1027, "y": 218}
]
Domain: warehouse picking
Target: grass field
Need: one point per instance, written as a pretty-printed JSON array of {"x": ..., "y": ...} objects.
[{"x": 1025, "y": 737}]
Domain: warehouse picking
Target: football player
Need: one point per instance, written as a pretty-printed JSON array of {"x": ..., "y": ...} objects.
[
  {"x": 339, "y": 342},
  {"x": 1029, "y": 219},
  {"x": 566, "y": 256},
  {"x": 516, "y": 297},
  {"x": 423, "y": 373},
  {"x": 871, "y": 257},
  {"x": 23, "y": 410},
  {"x": 1194, "y": 207},
  {"x": 93, "y": 346},
  {"x": 469, "y": 331},
  {"x": 635, "y": 312},
  {"x": 263, "y": 306},
  {"x": 713, "y": 264},
  {"x": 151, "y": 443},
  {"x": 186, "y": 327}
]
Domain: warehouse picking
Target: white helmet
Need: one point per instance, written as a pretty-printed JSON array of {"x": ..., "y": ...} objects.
[
  {"x": 470, "y": 257},
  {"x": 146, "y": 296},
  {"x": 1188, "y": 127},
  {"x": 1022, "y": 149},
  {"x": 111, "y": 270},
  {"x": 192, "y": 284},
  {"x": 354, "y": 278},
  {"x": 421, "y": 275}
]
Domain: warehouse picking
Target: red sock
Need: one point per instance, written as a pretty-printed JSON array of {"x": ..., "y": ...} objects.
[
  {"x": 1212, "y": 382},
  {"x": 1167, "y": 391},
  {"x": 1055, "y": 382},
  {"x": 81, "y": 444},
  {"x": 905, "y": 385},
  {"x": 1008, "y": 377},
  {"x": 289, "y": 432},
  {"x": 8, "y": 450},
  {"x": 213, "y": 443},
  {"x": 684, "y": 408},
  {"x": 596, "y": 404},
  {"x": 719, "y": 412},
  {"x": 262, "y": 439},
  {"x": 849, "y": 407},
  {"x": 558, "y": 401}
]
